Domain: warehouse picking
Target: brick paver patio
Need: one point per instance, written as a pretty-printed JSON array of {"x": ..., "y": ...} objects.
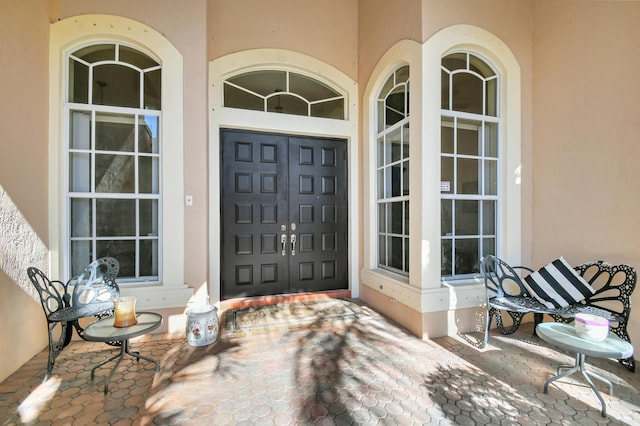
[{"x": 362, "y": 371}]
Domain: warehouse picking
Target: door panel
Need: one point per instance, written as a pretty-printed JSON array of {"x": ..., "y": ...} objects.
[
  {"x": 275, "y": 187},
  {"x": 318, "y": 208},
  {"x": 254, "y": 205}
]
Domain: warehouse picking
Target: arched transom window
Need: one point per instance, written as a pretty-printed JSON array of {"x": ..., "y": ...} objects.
[
  {"x": 469, "y": 163},
  {"x": 113, "y": 151},
  {"x": 283, "y": 92}
]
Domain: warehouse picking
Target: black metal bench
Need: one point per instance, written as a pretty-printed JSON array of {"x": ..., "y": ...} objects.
[{"x": 505, "y": 291}]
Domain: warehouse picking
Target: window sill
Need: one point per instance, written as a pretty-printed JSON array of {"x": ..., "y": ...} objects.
[
  {"x": 158, "y": 296},
  {"x": 463, "y": 294}
]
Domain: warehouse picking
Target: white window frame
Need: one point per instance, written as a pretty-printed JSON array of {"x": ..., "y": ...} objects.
[
  {"x": 107, "y": 113},
  {"x": 399, "y": 287},
  {"x": 387, "y": 199},
  {"x": 67, "y": 36},
  {"x": 424, "y": 291},
  {"x": 482, "y": 119}
]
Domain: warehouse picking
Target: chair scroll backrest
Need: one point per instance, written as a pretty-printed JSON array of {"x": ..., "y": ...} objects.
[
  {"x": 53, "y": 294},
  {"x": 502, "y": 279},
  {"x": 96, "y": 283}
]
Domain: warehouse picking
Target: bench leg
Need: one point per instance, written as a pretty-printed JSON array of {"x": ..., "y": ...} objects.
[
  {"x": 489, "y": 317},
  {"x": 516, "y": 318},
  {"x": 629, "y": 364},
  {"x": 621, "y": 332},
  {"x": 537, "y": 319}
]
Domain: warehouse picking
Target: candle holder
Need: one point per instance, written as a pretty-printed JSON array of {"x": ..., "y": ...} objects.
[{"x": 125, "y": 307}]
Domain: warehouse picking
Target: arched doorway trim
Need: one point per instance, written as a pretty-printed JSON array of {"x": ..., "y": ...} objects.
[{"x": 221, "y": 117}]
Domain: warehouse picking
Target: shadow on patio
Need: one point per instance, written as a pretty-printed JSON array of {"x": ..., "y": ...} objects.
[{"x": 362, "y": 370}]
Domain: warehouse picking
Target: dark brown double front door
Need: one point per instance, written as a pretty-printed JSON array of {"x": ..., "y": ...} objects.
[{"x": 284, "y": 214}]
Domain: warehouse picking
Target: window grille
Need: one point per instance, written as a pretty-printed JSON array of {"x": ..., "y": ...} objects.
[
  {"x": 392, "y": 172},
  {"x": 113, "y": 153},
  {"x": 469, "y": 164},
  {"x": 283, "y": 92}
]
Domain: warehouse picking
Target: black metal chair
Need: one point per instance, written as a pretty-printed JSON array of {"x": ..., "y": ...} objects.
[
  {"x": 53, "y": 298},
  {"x": 93, "y": 293}
]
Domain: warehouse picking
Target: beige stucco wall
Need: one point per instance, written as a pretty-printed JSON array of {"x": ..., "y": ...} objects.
[
  {"x": 325, "y": 30},
  {"x": 587, "y": 118},
  {"x": 381, "y": 24},
  {"x": 24, "y": 29}
]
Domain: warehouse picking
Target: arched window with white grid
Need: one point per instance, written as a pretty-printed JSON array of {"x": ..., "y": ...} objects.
[
  {"x": 392, "y": 172},
  {"x": 469, "y": 184},
  {"x": 113, "y": 186}
]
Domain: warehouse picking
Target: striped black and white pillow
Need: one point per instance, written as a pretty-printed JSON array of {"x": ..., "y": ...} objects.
[{"x": 557, "y": 285}]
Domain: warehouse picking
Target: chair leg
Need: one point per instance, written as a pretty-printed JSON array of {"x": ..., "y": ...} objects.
[
  {"x": 68, "y": 333},
  {"x": 56, "y": 345}
]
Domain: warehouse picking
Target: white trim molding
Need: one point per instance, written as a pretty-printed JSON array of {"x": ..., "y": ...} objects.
[
  {"x": 221, "y": 117},
  {"x": 424, "y": 291}
]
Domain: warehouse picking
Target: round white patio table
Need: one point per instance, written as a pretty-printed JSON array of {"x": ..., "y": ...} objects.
[
  {"x": 104, "y": 331},
  {"x": 565, "y": 337}
]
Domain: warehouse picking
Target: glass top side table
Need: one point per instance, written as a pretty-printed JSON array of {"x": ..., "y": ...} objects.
[
  {"x": 565, "y": 337},
  {"x": 104, "y": 331}
]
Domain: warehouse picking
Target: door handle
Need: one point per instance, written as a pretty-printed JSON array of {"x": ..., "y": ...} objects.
[
  {"x": 293, "y": 244},
  {"x": 283, "y": 240}
]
